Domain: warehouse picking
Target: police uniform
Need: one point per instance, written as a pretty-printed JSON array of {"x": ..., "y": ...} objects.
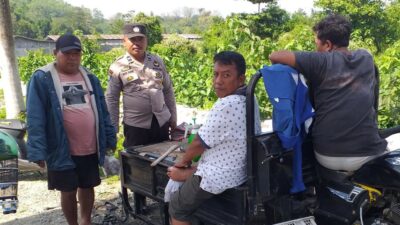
[{"x": 148, "y": 96}]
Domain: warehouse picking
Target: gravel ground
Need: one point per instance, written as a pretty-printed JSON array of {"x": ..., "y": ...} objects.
[{"x": 39, "y": 206}]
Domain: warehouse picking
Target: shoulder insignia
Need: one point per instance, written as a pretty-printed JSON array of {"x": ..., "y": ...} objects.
[{"x": 129, "y": 58}]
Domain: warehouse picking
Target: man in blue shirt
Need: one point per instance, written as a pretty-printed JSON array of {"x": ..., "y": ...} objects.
[{"x": 69, "y": 128}]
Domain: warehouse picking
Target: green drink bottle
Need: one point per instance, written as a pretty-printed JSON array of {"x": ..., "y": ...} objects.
[{"x": 191, "y": 138}]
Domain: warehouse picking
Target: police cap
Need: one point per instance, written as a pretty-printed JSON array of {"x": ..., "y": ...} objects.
[{"x": 134, "y": 30}]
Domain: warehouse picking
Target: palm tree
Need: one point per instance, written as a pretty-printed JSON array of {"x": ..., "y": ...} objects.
[{"x": 8, "y": 68}]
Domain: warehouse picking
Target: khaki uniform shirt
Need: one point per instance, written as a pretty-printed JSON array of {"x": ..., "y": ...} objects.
[{"x": 147, "y": 90}]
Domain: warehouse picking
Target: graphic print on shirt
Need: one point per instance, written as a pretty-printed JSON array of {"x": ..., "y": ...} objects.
[{"x": 75, "y": 95}]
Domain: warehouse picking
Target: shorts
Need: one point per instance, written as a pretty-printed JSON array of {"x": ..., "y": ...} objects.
[
  {"x": 188, "y": 199},
  {"x": 84, "y": 175}
]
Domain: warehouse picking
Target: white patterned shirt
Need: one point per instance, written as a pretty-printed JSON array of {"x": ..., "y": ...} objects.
[{"x": 223, "y": 163}]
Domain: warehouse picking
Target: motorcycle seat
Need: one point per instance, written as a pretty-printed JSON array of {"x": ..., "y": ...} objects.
[{"x": 337, "y": 176}]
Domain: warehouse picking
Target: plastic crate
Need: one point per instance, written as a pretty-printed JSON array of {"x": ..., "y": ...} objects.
[
  {"x": 8, "y": 184},
  {"x": 8, "y": 190},
  {"x": 8, "y": 175},
  {"x": 8, "y": 178},
  {"x": 9, "y": 163},
  {"x": 9, "y": 205}
]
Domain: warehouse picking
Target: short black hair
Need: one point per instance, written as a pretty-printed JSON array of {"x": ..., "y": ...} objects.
[
  {"x": 335, "y": 28},
  {"x": 231, "y": 57}
]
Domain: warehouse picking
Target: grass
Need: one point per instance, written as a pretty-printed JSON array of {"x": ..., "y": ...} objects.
[{"x": 112, "y": 179}]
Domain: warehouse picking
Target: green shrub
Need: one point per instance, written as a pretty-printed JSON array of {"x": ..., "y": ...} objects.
[
  {"x": 389, "y": 67},
  {"x": 94, "y": 60},
  {"x": 2, "y": 112},
  {"x": 191, "y": 68},
  {"x": 28, "y": 64}
]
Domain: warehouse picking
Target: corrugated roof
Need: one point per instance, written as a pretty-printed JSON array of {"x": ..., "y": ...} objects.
[
  {"x": 30, "y": 39},
  {"x": 186, "y": 36},
  {"x": 100, "y": 36},
  {"x": 120, "y": 36}
]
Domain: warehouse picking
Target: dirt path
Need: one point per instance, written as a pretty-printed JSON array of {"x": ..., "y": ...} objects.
[{"x": 39, "y": 206}]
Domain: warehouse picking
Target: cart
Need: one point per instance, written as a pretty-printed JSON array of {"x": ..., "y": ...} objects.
[
  {"x": 146, "y": 182},
  {"x": 251, "y": 203}
]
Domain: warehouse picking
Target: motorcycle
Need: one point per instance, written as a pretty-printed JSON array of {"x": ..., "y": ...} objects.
[
  {"x": 16, "y": 129},
  {"x": 370, "y": 195}
]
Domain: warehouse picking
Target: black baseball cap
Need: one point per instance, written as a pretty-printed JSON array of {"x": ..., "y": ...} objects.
[
  {"x": 68, "y": 42},
  {"x": 134, "y": 30}
]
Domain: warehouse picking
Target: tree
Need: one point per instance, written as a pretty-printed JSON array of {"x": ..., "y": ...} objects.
[
  {"x": 39, "y": 18},
  {"x": 74, "y": 19},
  {"x": 368, "y": 19},
  {"x": 259, "y": 2},
  {"x": 175, "y": 46},
  {"x": 9, "y": 72},
  {"x": 393, "y": 14},
  {"x": 300, "y": 38},
  {"x": 40, "y": 14},
  {"x": 269, "y": 23},
  {"x": 116, "y": 23},
  {"x": 99, "y": 22},
  {"x": 153, "y": 26},
  {"x": 195, "y": 22},
  {"x": 118, "y": 20}
]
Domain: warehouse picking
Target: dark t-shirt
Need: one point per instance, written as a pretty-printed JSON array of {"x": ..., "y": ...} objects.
[{"x": 343, "y": 93}]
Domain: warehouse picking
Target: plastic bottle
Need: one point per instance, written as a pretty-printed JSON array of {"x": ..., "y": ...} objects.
[
  {"x": 192, "y": 134},
  {"x": 195, "y": 129}
]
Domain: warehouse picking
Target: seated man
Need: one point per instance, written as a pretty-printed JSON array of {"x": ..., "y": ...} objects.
[
  {"x": 342, "y": 83},
  {"x": 221, "y": 141}
]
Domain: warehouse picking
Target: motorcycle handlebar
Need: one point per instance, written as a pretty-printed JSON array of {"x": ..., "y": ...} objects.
[{"x": 384, "y": 133}]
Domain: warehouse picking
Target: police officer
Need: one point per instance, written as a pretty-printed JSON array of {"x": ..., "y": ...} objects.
[{"x": 149, "y": 107}]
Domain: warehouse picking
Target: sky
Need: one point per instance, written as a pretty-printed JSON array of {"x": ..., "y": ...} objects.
[{"x": 165, "y": 7}]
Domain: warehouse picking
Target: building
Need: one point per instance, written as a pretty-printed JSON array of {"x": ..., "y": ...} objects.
[
  {"x": 190, "y": 37},
  {"x": 23, "y": 45},
  {"x": 106, "y": 42}
]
